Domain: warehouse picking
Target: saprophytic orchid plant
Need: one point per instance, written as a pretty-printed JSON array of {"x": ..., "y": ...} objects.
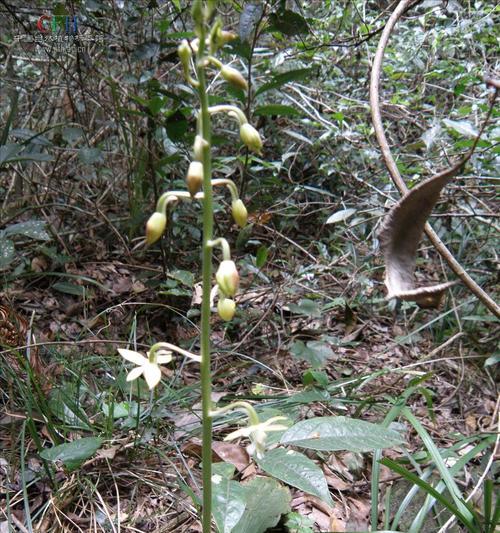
[{"x": 197, "y": 57}]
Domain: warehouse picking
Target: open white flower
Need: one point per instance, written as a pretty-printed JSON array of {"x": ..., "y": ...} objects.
[
  {"x": 257, "y": 433},
  {"x": 150, "y": 369}
]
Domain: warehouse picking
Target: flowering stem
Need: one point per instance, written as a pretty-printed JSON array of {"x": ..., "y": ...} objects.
[
  {"x": 206, "y": 378},
  {"x": 226, "y": 251},
  {"x": 173, "y": 348},
  {"x": 229, "y": 184},
  {"x": 245, "y": 407},
  {"x": 231, "y": 110}
]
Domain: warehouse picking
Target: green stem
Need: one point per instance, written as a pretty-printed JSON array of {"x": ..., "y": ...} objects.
[
  {"x": 226, "y": 251},
  {"x": 245, "y": 407},
  {"x": 231, "y": 110},
  {"x": 206, "y": 378}
]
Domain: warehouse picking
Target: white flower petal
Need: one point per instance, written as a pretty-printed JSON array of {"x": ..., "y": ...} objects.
[
  {"x": 133, "y": 357},
  {"x": 242, "y": 432},
  {"x": 135, "y": 373},
  {"x": 193, "y": 357},
  {"x": 276, "y": 427},
  {"x": 152, "y": 374},
  {"x": 269, "y": 421},
  {"x": 164, "y": 359}
]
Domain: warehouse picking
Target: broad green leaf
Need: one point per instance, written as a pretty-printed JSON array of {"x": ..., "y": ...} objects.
[
  {"x": 277, "y": 109},
  {"x": 34, "y": 229},
  {"x": 184, "y": 276},
  {"x": 312, "y": 376},
  {"x": 72, "y": 134},
  {"x": 6, "y": 252},
  {"x": 306, "y": 307},
  {"x": 331, "y": 433},
  {"x": 266, "y": 501},
  {"x": 88, "y": 156},
  {"x": 73, "y": 454},
  {"x": 492, "y": 360},
  {"x": 118, "y": 410},
  {"x": 32, "y": 156},
  {"x": 146, "y": 51},
  {"x": 340, "y": 216},
  {"x": 285, "y": 77},
  {"x": 69, "y": 288},
  {"x": 297, "y": 523},
  {"x": 463, "y": 127},
  {"x": 155, "y": 104},
  {"x": 8, "y": 151},
  {"x": 31, "y": 136},
  {"x": 261, "y": 257},
  {"x": 296, "y": 470},
  {"x": 316, "y": 353},
  {"x": 288, "y": 22},
  {"x": 228, "y": 498}
]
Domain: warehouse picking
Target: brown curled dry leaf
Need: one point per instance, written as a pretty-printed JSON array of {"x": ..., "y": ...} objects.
[{"x": 399, "y": 239}]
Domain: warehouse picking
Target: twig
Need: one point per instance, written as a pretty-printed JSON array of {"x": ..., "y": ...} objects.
[{"x": 394, "y": 172}]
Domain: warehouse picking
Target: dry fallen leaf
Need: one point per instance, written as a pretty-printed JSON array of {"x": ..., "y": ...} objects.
[{"x": 399, "y": 240}]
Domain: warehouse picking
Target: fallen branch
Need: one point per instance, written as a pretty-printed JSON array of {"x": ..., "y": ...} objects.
[{"x": 399, "y": 275}]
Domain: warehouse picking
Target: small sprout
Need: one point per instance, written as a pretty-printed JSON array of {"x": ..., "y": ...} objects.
[
  {"x": 250, "y": 136},
  {"x": 226, "y": 308},
  {"x": 227, "y": 277},
  {"x": 155, "y": 227},
  {"x": 194, "y": 177},
  {"x": 150, "y": 368},
  {"x": 234, "y": 77},
  {"x": 240, "y": 213}
]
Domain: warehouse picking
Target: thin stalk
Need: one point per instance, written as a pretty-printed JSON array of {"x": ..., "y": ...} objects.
[{"x": 206, "y": 377}]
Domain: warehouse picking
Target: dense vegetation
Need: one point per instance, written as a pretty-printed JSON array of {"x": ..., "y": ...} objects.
[{"x": 96, "y": 126}]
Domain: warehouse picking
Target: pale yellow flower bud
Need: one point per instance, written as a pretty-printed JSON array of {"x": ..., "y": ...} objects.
[
  {"x": 226, "y": 308},
  {"x": 198, "y": 147},
  {"x": 184, "y": 52},
  {"x": 155, "y": 227},
  {"x": 227, "y": 277},
  {"x": 240, "y": 213},
  {"x": 194, "y": 177},
  {"x": 226, "y": 36},
  {"x": 250, "y": 136},
  {"x": 234, "y": 77}
]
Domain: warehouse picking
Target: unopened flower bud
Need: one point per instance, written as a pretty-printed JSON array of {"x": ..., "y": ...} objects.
[
  {"x": 184, "y": 52},
  {"x": 197, "y": 12},
  {"x": 227, "y": 277},
  {"x": 226, "y": 308},
  {"x": 226, "y": 36},
  {"x": 234, "y": 77},
  {"x": 155, "y": 227},
  {"x": 194, "y": 177},
  {"x": 240, "y": 213},
  {"x": 198, "y": 146},
  {"x": 250, "y": 136}
]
